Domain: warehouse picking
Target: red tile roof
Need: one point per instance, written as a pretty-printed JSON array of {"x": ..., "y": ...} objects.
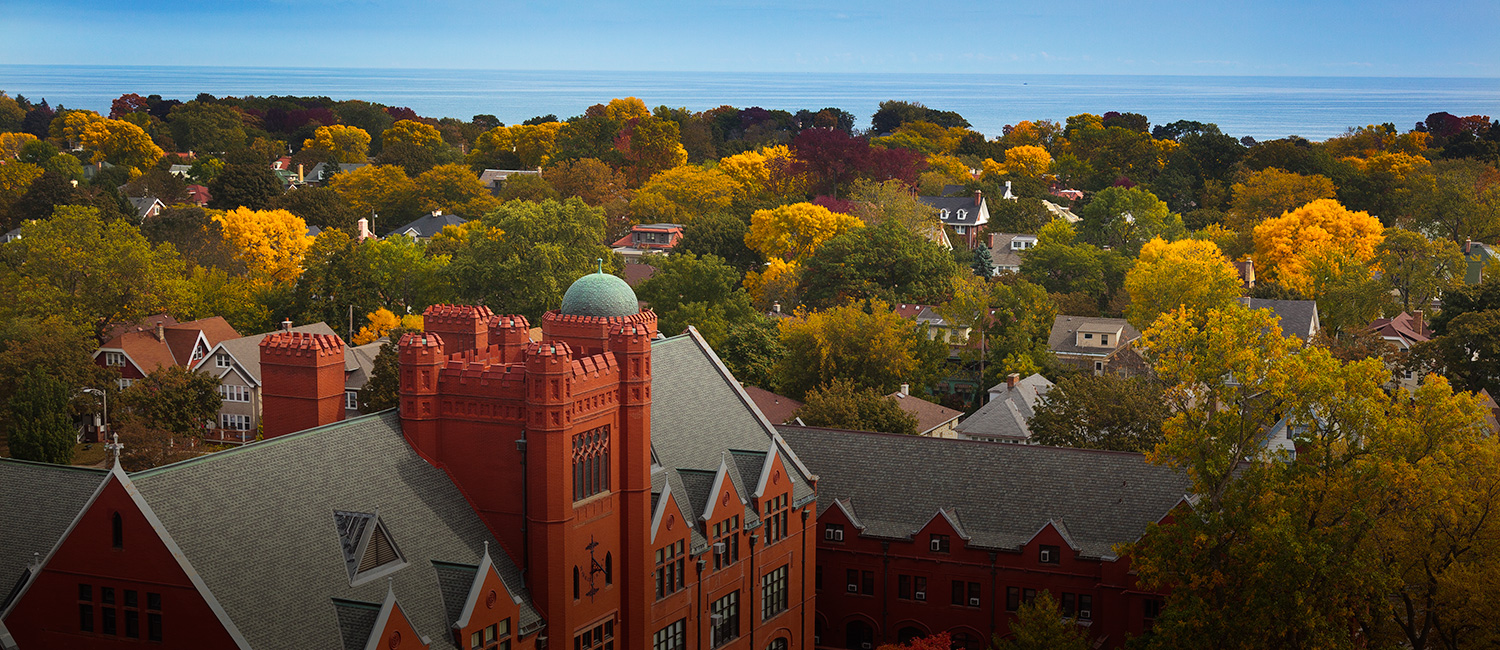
[
  {"x": 175, "y": 347},
  {"x": 777, "y": 408},
  {"x": 929, "y": 415}
]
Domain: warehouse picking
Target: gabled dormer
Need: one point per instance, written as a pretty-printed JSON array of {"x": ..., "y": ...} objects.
[
  {"x": 367, "y": 626},
  {"x": 485, "y": 612},
  {"x": 942, "y": 534},
  {"x": 1050, "y": 544},
  {"x": 722, "y": 517},
  {"x": 369, "y": 550},
  {"x": 839, "y": 522}
]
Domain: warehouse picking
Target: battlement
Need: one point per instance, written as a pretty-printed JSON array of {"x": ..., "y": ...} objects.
[
  {"x": 460, "y": 313},
  {"x": 509, "y": 321},
  {"x": 305, "y": 345},
  {"x": 463, "y": 327}
]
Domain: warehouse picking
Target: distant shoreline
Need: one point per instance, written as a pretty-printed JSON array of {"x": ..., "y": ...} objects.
[{"x": 1260, "y": 106}]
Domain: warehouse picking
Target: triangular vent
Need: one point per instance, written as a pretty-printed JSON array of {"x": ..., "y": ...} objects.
[
  {"x": 369, "y": 550},
  {"x": 380, "y": 551}
]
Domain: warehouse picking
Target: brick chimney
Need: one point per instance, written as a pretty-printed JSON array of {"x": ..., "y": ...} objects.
[
  {"x": 302, "y": 381},
  {"x": 978, "y": 197},
  {"x": 1011, "y": 379},
  {"x": 1417, "y": 322},
  {"x": 161, "y": 331},
  {"x": 462, "y": 327}
]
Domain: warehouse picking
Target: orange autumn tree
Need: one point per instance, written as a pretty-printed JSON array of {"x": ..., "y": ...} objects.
[
  {"x": 793, "y": 232},
  {"x": 1287, "y": 246},
  {"x": 271, "y": 243}
]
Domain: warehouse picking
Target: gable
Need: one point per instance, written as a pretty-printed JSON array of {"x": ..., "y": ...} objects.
[
  {"x": 369, "y": 550},
  {"x": 393, "y": 629},
  {"x": 146, "y": 562}
]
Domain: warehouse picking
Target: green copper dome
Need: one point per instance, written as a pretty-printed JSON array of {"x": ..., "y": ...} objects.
[{"x": 600, "y": 294}]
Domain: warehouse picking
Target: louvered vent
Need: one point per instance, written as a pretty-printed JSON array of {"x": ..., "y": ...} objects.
[
  {"x": 369, "y": 551},
  {"x": 379, "y": 552}
]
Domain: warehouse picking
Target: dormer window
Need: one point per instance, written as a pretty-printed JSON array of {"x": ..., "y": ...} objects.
[
  {"x": 963, "y": 214},
  {"x": 116, "y": 359},
  {"x": 369, "y": 550},
  {"x": 223, "y": 360}
]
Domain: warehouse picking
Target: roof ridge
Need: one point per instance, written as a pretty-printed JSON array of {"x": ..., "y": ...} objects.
[
  {"x": 155, "y": 471},
  {"x": 959, "y": 440},
  {"x": 37, "y": 463}
]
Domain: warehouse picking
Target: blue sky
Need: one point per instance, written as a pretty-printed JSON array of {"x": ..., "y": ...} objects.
[{"x": 1270, "y": 37}]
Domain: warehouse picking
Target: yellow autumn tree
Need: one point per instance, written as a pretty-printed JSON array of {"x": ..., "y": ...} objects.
[
  {"x": 375, "y": 188},
  {"x": 11, "y": 143},
  {"x": 679, "y": 194},
  {"x": 776, "y": 282},
  {"x": 1030, "y": 161},
  {"x": 793, "y": 232},
  {"x": 339, "y": 143},
  {"x": 270, "y": 243},
  {"x": 1191, "y": 273},
  {"x": 925, "y": 137},
  {"x": 66, "y": 130},
  {"x": 382, "y": 321},
  {"x": 765, "y": 173},
  {"x": 455, "y": 189},
  {"x": 1286, "y": 246},
  {"x": 120, "y": 143},
  {"x": 533, "y": 144},
  {"x": 1271, "y": 192},
  {"x": 626, "y": 109}
]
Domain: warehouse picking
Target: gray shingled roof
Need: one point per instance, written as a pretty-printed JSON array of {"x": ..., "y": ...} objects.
[
  {"x": 257, "y": 523},
  {"x": 1299, "y": 318},
  {"x": 356, "y": 622},
  {"x": 699, "y": 413},
  {"x": 39, "y": 502},
  {"x": 428, "y": 225},
  {"x": 1008, "y": 413},
  {"x": 454, "y": 581},
  {"x": 1003, "y": 493},
  {"x": 961, "y": 209},
  {"x": 1061, "y": 339}
]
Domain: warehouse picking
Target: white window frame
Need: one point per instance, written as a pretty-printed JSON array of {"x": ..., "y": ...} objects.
[
  {"x": 351, "y": 400},
  {"x": 115, "y": 359},
  {"x": 223, "y": 360}
]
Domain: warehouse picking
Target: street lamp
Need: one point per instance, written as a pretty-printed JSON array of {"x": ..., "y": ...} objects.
[{"x": 104, "y": 416}]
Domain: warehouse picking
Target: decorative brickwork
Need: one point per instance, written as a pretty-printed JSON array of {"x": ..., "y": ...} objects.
[{"x": 302, "y": 379}]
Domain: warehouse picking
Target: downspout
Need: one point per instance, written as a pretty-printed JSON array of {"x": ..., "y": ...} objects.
[
  {"x": 994, "y": 593},
  {"x": 698, "y": 597},
  {"x": 753, "y": 539},
  {"x": 885, "y": 588}
]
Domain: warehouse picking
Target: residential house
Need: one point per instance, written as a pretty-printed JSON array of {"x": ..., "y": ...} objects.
[
  {"x": 646, "y": 239},
  {"x": 1299, "y": 318},
  {"x": 1403, "y": 331},
  {"x": 1097, "y": 345},
  {"x": 965, "y": 215},
  {"x": 314, "y": 175},
  {"x": 160, "y": 341},
  {"x": 779, "y": 409},
  {"x": 237, "y": 364},
  {"x": 426, "y": 226},
  {"x": 933, "y": 420},
  {"x": 146, "y": 206},
  {"x": 1060, "y": 212},
  {"x": 1006, "y": 249},
  {"x": 180, "y": 171},
  {"x": 494, "y": 179},
  {"x": 198, "y": 195},
  {"x": 961, "y": 379},
  {"x": 10, "y": 236},
  {"x": 1006, "y": 417},
  {"x": 1477, "y": 255}
]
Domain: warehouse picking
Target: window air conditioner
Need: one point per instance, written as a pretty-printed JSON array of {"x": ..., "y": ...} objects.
[
  {"x": 828, "y": 533},
  {"x": 719, "y": 548},
  {"x": 937, "y": 545},
  {"x": 1084, "y": 614},
  {"x": 973, "y": 602},
  {"x": 864, "y": 646},
  {"x": 921, "y": 595},
  {"x": 853, "y": 587},
  {"x": 1046, "y": 555},
  {"x": 817, "y": 639},
  {"x": 716, "y": 618}
]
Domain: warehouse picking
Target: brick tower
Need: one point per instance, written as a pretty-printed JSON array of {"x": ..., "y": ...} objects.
[{"x": 302, "y": 381}]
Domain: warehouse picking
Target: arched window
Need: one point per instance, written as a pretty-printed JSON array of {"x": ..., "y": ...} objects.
[
  {"x": 964, "y": 641},
  {"x": 778, "y": 644},
  {"x": 906, "y": 634},
  {"x": 117, "y": 531},
  {"x": 858, "y": 635},
  {"x": 575, "y": 583}
]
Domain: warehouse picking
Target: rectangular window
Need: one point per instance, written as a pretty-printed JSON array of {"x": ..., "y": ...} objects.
[
  {"x": 776, "y": 519},
  {"x": 1012, "y": 599},
  {"x": 198, "y": 353},
  {"x": 132, "y": 624},
  {"x": 911, "y": 587},
  {"x": 599, "y": 637},
  {"x": 938, "y": 543},
  {"x": 85, "y": 593},
  {"x": 107, "y": 595},
  {"x": 974, "y": 590},
  {"x": 590, "y": 463},
  {"x": 85, "y": 618},
  {"x": 109, "y": 620},
  {"x": 351, "y": 400},
  {"x": 114, "y": 359},
  {"x": 833, "y": 532},
  {"x": 153, "y": 616},
  {"x": 1048, "y": 555},
  {"x": 476, "y": 641},
  {"x": 726, "y": 542},
  {"x": 234, "y": 393},
  {"x": 1152, "y": 608},
  {"x": 1067, "y": 605},
  {"x": 223, "y": 360},
  {"x": 867, "y": 586},
  {"x": 1028, "y": 595},
  {"x": 669, "y": 569},
  {"x": 1085, "y": 607},
  {"x": 234, "y": 422},
  {"x": 124, "y": 383},
  {"x": 773, "y": 593},
  {"x": 852, "y": 578},
  {"x": 818, "y": 577},
  {"x": 725, "y": 616},
  {"x": 956, "y": 595},
  {"x": 1103, "y": 339},
  {"x": 671, "y": 637}
]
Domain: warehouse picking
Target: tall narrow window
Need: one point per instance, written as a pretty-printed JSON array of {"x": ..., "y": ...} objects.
[
  {"x": 85, "y": 608},
  {"x": 590, "y": 463},
  {"x": 575, "y": 583},
  {"x": 609, "y": 569},
  {"x": 773, "y": 593},
  {"x": 153, "y": 617},
  {"x": 776, "y": 519},
  {"x": 117, "y": 531},
  {"x": 725, "y": 614},
  {"x": 669, "y": 569}
]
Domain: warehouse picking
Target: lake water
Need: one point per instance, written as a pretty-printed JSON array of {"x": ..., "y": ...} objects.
[{"x": 1261, "y": 107}]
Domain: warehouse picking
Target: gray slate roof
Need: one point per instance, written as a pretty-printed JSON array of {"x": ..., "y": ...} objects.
[
  {"x": 257, "y": 525},
  {"x": 1009, "y": 411},
  {"x": 1299, "y": 318},
  {"x": 428, "y": 225},
  {"x": 961, "y": 209},
  {"x": 699, "y": 415},
  {"x": 1061, "y": 340},
  {"x": 38, "y": 502},
  {"x": 1003, "y": 494},
  {"x": 359, "y": 362}
]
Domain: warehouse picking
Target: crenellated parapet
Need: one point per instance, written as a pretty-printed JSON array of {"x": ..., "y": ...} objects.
[
  {"x": 591, "y": 334},
  {"x": 463, "y": 327}
]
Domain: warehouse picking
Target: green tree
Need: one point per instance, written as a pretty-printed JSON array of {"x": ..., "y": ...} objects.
[
  {"x": 983, "y": 266},
  {"x": 199, "y": 126},
  {"x": 698, "y": 291},
  {"x": 841, "y": 404},
  {"x": 243, "y": 185},
  {"x": 63, "y": 350},
  {"x": 383, "y": 391},
  {"x": 521, "y": 258},
  {"x": 1020, "y": 322},
  {"x": 864, "y": 343},
  {"x": 885, "y": 262},
  {"x": 1101, "y": 412},
  {"x": 39, "y": 426},
  {"x": 1063, "y": 267},
  {"x": 195, "y": 235},
  {"x": 1125, "y": 219},
  {"x": 1457, "y": 200},
  {"x": 90, "y": 273},
  {"x": 173, "y": 399},
  {"x": 1040, "y": 625},
  {"x": 720, "y": 234},
  {"x": 319, "y": 206},
  {"x": 751, "y": 350}
]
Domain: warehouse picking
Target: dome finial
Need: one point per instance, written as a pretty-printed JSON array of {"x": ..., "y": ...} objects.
[{"x": 600, "y": 262}]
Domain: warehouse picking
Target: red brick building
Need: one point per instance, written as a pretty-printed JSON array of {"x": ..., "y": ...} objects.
[{"x": 603, "y": 488}]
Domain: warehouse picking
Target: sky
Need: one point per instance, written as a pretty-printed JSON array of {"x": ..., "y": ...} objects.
[{"x": 1410, "y": 38}]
